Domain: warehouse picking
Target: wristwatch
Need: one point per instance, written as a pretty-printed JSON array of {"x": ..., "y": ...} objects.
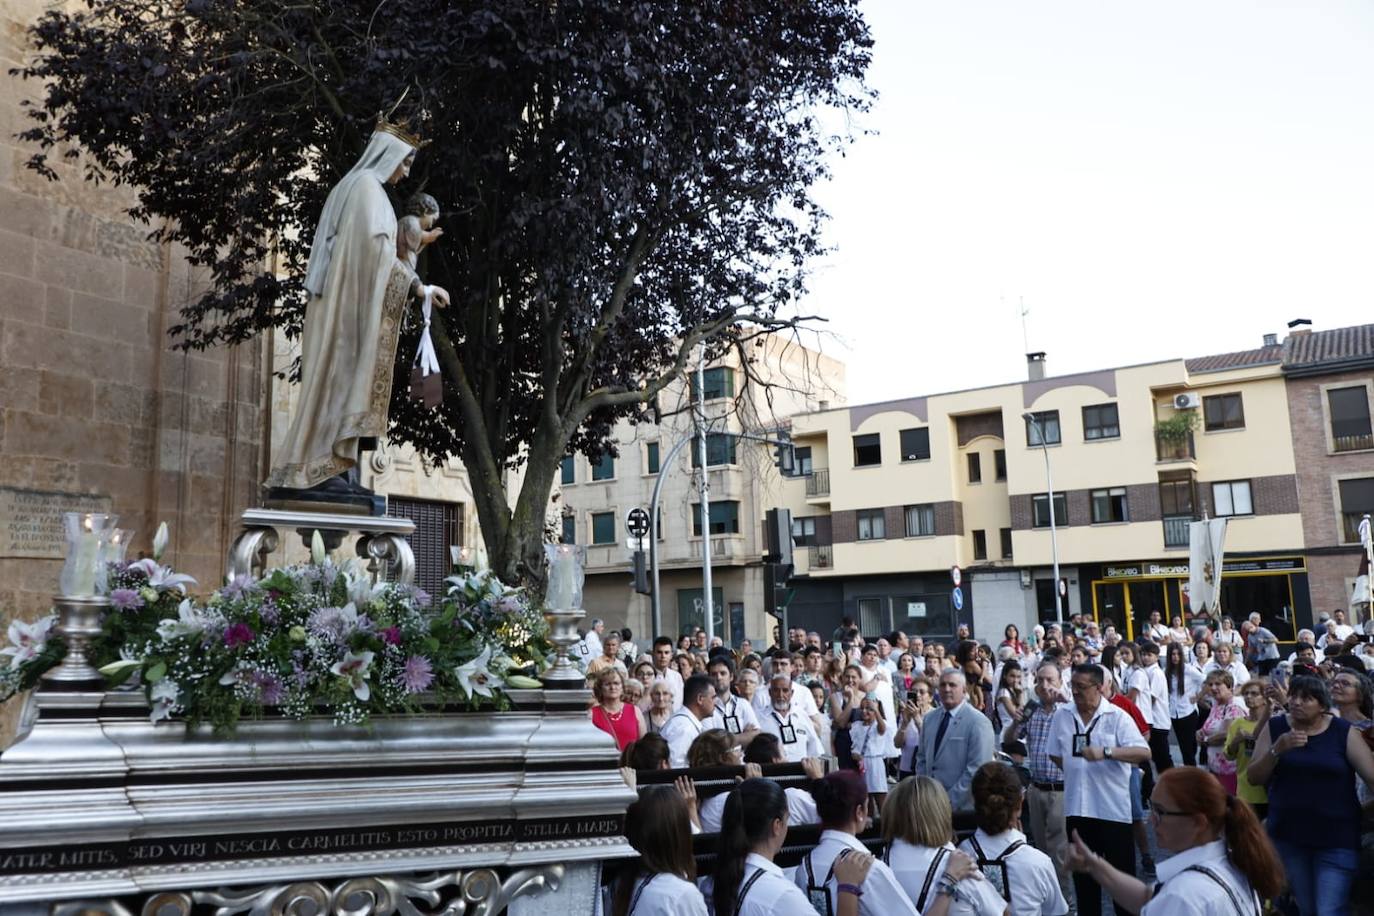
[{"x": 1107, "y": 753}]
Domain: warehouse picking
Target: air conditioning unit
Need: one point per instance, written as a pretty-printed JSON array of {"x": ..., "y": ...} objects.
[{"x": 1187, "y": 400}]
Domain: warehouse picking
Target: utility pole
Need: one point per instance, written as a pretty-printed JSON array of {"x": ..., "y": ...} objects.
[
  {"x": 1054, "y": 539},
  {"x": 705, "y": 490}
]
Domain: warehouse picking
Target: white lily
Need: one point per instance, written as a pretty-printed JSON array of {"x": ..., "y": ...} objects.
[
  {"x": 317, "y": 553},
  {"x": 189, "y": 621},
  {"x": 362, "y": 591},
  {"x": 164, "y": 698},
  {"x": 162, "y": 577},
  {"x": 354, "y": 668},
  {"x": 476, "y": 677},
  {"x": 115, "y": 667},
  {"x": 232, "y": 676},
  {"x": 27, "y": 639},
  {"x": 160, "y": 542}
]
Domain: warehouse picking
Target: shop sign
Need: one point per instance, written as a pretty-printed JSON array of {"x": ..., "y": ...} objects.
[{"x": 1139, "y": 570}]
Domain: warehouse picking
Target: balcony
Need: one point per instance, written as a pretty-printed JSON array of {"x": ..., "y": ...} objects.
[
  {"x": 723, "y": 547},
  {"x": 1176, "y": 530},
  {"x": 818, "y": 483},
  {"x": 820, "y": 556},
  {"x": 1354, "y": 443},
  {"x": 1174, "y": 449}
]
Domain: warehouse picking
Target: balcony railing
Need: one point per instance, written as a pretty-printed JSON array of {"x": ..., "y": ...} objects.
[
  {"x": 1174, "y": 449},
  {"x": 818, "y": 482},
  {"x": 1353, "y": 443},
  {"x": 1176, "y": 530},
  {"x": 820, "y": 556}
]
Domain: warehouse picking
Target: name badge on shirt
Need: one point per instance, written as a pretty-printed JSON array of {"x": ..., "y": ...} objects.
[
  {"x": 1080, "y": 741},
  {"x": 789, "y": 733},
  {"x": 732, "y": 724}
]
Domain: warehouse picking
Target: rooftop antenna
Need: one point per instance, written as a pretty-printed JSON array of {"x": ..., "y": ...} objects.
[{"x": 1025, "y": 336}]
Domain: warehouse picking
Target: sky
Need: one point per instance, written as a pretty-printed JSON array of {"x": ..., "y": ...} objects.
[{"x": 1152, "y": 179}]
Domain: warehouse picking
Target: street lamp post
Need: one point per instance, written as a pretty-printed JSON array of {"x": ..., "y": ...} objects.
[{"x": 1054, "y": 536}]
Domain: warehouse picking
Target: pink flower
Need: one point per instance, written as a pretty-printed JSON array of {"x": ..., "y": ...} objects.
[
  {"x": 391, "y": 635},
  {"x": 240, "y": 634}
]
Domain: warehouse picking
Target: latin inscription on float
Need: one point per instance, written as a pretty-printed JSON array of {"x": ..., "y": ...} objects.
[
  {"x": 195, "y": 850},
  {"x": 31, "y": 521}
]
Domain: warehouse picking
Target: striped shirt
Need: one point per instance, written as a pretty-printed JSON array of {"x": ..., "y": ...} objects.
[{"x": 1037, "y": 732}]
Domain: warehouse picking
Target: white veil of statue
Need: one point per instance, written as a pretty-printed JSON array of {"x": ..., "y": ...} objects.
[{"x": 358, "y": 290}]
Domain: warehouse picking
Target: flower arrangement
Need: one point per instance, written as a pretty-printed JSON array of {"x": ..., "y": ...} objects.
[{"x": 303, "y": 639}]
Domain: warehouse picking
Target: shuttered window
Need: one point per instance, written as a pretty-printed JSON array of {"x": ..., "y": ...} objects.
[{"x": 438, "y": 526}]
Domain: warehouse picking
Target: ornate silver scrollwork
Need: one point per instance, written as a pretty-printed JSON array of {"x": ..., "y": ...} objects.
[
  {"x": 89, "y": 908},
  {"x": 382, "y": 548},
  {"x": 481, "y": 893},
  {"x": 250, "y": 551}
]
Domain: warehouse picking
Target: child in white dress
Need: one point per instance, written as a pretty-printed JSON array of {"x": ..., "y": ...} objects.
[{"x": 871, "y": 740}]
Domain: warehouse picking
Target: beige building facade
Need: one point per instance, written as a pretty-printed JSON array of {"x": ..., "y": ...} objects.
[
  {"x": 592, "y": 500},
  {"x": 898, "y": 493}
]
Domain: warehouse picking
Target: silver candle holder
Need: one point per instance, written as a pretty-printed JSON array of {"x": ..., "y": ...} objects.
[
  {"x": 78, "y": 622},
  {"x": 563, "y": 609}
]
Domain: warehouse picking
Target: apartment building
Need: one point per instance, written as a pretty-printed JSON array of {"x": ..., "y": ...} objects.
[
  {"x": 890, "y": 496},
  {"x": 1330, "y": 381},
  {"x": 592, "y": 499}
]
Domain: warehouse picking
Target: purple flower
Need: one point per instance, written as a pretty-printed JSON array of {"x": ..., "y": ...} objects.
[
  {"x": 417, "y": 674},
  {"x": 237, "y": 588},
  {"x": 271, "y": 691},
  {"x": 240, "y": 634},
  {"x": 126, "y": 599},
  {"x": 391, "y": 635}
]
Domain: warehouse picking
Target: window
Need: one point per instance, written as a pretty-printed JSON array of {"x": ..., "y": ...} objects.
[
  {"x": 803, "y": 532},
  {"x": 1100, "y": 422},
  {"x": 1350, "y": 428},
  {"x": 1357, "y": 499},
  {"x": 568, "y": 471},
  {"x": 719, "y": 383},
  {"x": 724, "y": 518},
  {"x": 975, "y": 468},
  {"x": 651, "y": 458},
  {"x": 1108, "y": 505},
  {"x": 999, "y": 460},
  {"x": 1176, "y": 497},
  {"x": 980, "y": 544},
  {"x": 871, "y": 617},
  {"x": 801, "y": 461},
  {"x": 1232, "y": 497},
  {"x": 720, "y": 449},
  {"x": 1006, "y": 543},
  {"x": 1040, "y": 510},
  {"x": 867, "y": 450},
  {"x": 1046, "y": 421},
  {"x": 605, "y": 468},
  {"x": 1222, "y": 411},
  {"x": 569, "y": 529},
  {"x": 916, "y": 444},
  {"x": 920, "y": 521},
  {"x": 603, "y": 527},
  {"x": 871, "y": 525}
]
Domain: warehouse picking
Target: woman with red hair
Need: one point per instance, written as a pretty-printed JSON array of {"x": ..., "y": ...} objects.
[{"x": 1223, "y": 861}]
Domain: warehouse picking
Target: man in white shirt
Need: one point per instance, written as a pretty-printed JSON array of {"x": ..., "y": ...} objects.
[
  {"x": 593, "y": 637},
  {"x": 690, "y": 720},
  {"x": 886, "y": 660},
  {"x": 1343, "y": 630},
  {"x": 1154, "y": 706},
  {"x": 664, "y": 670},
  {"x": 731, "y": 713},
  {"x": 803, "y": 701},
  {"x": 794, "y": 731},
  {"x": 1096, "y": 744}
]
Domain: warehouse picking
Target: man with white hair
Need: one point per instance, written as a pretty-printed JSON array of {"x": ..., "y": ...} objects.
[
  {"x": 794, "y": 732},
  {"x": 956, "y": 740},
  {"x": 1262, "y": 645}
]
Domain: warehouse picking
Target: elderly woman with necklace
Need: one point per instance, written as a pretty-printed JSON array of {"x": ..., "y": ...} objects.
[{"x": 1308, "y": 761}]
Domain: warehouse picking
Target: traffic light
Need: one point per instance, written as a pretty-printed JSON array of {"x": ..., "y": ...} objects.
[
  {"x": 777, "y": 536},
  {"x": 776, "y": 594},
  {"x": 784, "y": 455},
  {"x": 639, "y": 576}
]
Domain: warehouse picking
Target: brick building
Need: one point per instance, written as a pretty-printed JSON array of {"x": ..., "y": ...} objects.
[{"x": 1330, "y": 382}]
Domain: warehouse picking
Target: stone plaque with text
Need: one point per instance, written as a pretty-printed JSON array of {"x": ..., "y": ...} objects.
[{"x": 31, "y": 521}]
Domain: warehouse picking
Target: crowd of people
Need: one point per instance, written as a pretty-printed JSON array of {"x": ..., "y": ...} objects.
[{"x": 1024, "y": 776}]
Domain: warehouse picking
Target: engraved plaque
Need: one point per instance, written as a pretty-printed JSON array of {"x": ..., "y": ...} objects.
[{"x": 31, "y": 521}]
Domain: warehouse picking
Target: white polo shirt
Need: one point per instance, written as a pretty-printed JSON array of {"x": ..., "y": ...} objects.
[
  {"x": 801, "y": 809},
  {"x": 770, "y": 894},
  {"x": 802, "y": 701},
  {"x": 882, "y": 895},
  {"x": 1190, "y": 893},
  {"x": 680, "y": 731},
  {"x": 665, "y": 895},
  {"x": 804, "y": 741},
  {"x": 1154, "y": 703},
  {"x": 912, "y": 867},
  {"x": 1034, "y": 884},
  {"x": 733, "y": 714},
  {"x": 1095, "y": 788}
]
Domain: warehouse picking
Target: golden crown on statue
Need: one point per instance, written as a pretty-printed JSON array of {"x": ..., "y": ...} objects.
[{"x": 401, "y": 129}]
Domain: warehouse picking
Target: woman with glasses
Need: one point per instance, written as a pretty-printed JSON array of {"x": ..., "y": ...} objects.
[
  {"x": 1222, "y": 863},
  {"x": 1308, "y": 760},
  {"x": 1240, "y": 744}
]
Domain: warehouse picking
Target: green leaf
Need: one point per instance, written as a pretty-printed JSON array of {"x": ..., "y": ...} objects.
[{"x": 156, "y": 673}]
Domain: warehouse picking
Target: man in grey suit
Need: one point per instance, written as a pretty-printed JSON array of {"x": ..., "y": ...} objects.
[{"x": 956, "y": 740}]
